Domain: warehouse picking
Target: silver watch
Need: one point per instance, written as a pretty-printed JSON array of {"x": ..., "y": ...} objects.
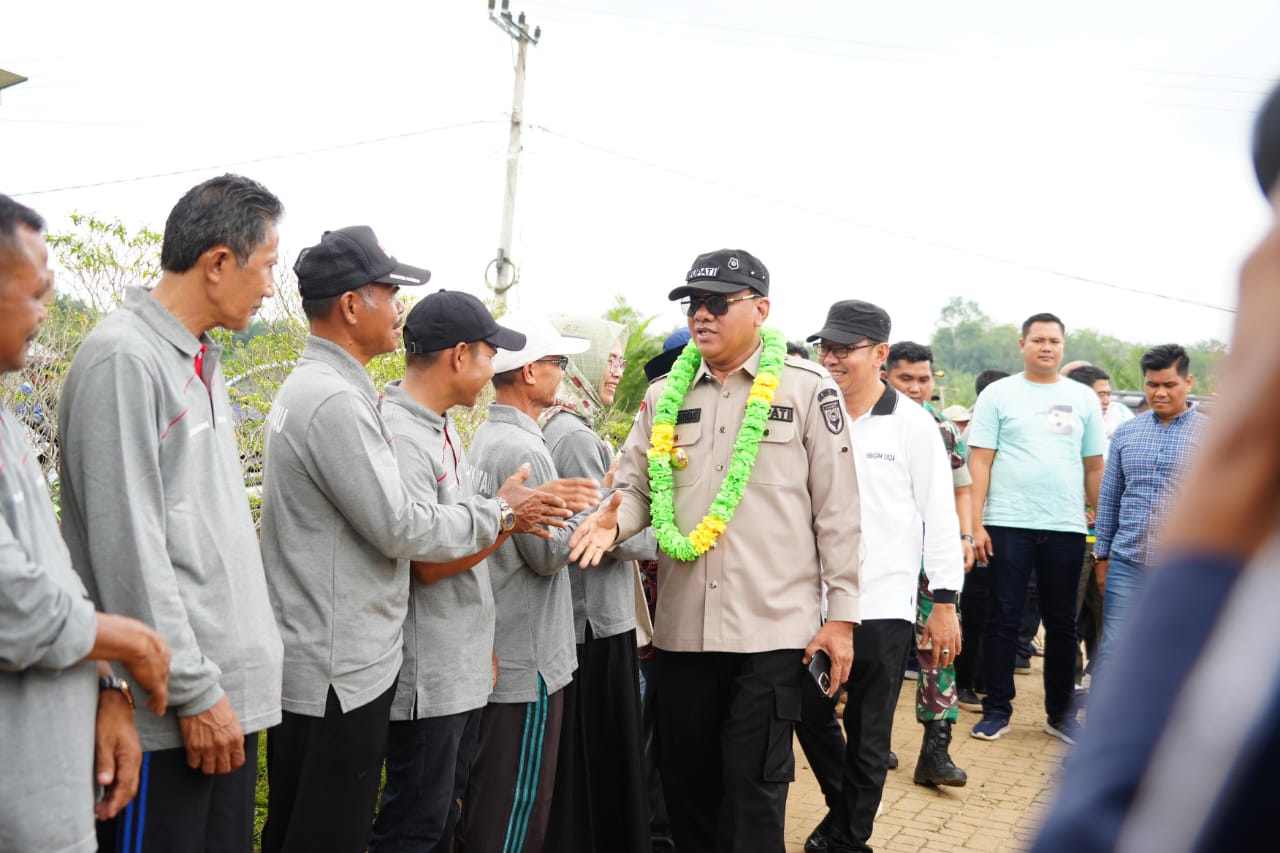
[{"x": 508, "y": 517}]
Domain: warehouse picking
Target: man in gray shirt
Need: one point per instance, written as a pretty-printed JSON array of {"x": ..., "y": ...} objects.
[
  {"x": 450, "y": 341},
  {"x": 48, "y": 629},
  {"x": 337, "y": 526},
  {"x": 156, "y": 518},
  {"x": 510, "y": 794}
]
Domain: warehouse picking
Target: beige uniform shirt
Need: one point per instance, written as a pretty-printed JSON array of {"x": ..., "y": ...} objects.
[{"x": 797, "y": 525}]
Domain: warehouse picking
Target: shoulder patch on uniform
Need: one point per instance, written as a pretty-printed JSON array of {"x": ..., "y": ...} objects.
[
  {"x": 805, "y": 365},
  {"x": 833, "y": 416},
  {"x": 827, "y": 392},
  {"x": 688, "y": 416}
]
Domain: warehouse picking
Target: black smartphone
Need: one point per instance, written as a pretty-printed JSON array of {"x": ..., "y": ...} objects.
[{"x": 820, "y": 670}]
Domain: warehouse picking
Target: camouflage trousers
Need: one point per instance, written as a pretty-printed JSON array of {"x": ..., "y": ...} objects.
[{"x": 935, "y": 688}]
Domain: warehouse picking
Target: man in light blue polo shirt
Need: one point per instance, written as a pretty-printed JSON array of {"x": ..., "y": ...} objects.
[{"x": 1036, "y": 443}]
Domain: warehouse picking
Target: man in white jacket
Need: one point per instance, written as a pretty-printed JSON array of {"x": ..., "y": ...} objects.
[{"x": 908, "y": 514}]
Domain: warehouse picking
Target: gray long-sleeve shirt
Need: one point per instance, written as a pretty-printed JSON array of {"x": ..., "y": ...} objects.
[
  {"x": 337, "y": 526},
  {"x": 448, "y": 634},
  {"x": 156, "y": 517},
  {"x": 530, "y": 582},
  {"x": 604, "y": 596},
  {"x": 48, "y": 701}
]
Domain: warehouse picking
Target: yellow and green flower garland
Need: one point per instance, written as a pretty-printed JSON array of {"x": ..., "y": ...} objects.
[{"x": 745, "y": 446}]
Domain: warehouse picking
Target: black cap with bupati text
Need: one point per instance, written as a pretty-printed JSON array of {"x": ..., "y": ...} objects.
[
  {"x": 724, "y": 271},
  {"x": 348, "y": 259}
]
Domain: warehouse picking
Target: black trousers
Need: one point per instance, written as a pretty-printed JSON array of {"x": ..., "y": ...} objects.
[
  {"x": 879, "y": 654},
  {"x": 1055, "y": 558},
  {"x": 179, "y": 809},
  {"x": 974, "y": 601},
  {"x": 659, "y": 823},
  {"x": 509, "y": 797},
  {"x": 726, "y": 721},
  {"x": 428, "y": 764},
  {"x": 822, "y": 741},
  {"x": 324, "y": 774},
  {"x": 600, "y": 801}
]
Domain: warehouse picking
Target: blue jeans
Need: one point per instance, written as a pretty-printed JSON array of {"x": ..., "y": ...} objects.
[
  {"x": 1124, "y": 581},
  {"x": 1055, "y": 557}
]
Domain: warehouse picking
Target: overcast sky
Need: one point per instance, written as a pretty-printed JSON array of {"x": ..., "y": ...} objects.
[{"x": 1089, "y": 159}]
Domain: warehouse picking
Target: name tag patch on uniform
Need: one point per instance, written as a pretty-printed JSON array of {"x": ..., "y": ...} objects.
[
  {"x": 782, "y": 413},
  {"x": 833, "y": 416},
  {"x": 688, "y": 416}
]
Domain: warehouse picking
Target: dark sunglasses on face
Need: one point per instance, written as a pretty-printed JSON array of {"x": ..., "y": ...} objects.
[{"x": 717, "y": 305}]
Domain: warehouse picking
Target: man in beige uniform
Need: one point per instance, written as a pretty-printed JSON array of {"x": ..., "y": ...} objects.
[{"x": 736, "y": 625}]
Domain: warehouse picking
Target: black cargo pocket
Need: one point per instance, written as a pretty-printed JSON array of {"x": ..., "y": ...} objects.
[{"x": 780, "y": 758}]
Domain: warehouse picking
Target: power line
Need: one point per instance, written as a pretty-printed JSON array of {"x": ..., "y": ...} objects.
[
  {"x": 266, "y": 159},
  {"x": 866, "y": 225}
]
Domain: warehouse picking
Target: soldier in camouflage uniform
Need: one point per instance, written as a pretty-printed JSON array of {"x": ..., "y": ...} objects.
[{"x": 909, "y": 369}]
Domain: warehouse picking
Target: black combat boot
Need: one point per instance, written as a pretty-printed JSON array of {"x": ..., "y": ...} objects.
[{"x": 935, "y": 766}]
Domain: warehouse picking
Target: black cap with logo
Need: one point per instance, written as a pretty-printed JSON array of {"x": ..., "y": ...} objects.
[
  {"x": 449, "y": 317},
  {"x": 724, "y": 271},
  {"x": 853, "y": 320},
  {"x": 348, "y": 259}
]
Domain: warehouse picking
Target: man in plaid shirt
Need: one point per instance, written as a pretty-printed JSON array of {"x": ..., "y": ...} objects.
[{"x": 1149, "y": 455}]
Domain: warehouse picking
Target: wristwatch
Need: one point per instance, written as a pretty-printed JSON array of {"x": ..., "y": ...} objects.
[
  {"x": 111, "y": 682},
  {"x": 508, "y": 519},
  {"x": 967, "y": 538}
]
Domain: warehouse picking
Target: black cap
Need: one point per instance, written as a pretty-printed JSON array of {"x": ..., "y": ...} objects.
[
  {"x": 347, "y": 259},
  {"x": 1266, "y": 143},
  {"x": 852, "y": 320},
  {"x": 661, "y": 364},
  {"x": 724, "y": 271},
  {"x": 449, "y": 317}
]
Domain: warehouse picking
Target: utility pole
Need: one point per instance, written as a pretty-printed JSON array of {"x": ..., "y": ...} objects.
[{"x": 505, "y": 273}]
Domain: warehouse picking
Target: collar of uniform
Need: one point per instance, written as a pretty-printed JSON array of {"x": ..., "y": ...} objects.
[
  {"x": 888, "y": 401},
  {"x": 751, "y": 366},
  {"x": 501, "y": 414},
  {"x": 140, "y": 301},
  {"x": 396, "y": 394},
  {"x": 327, "y": 352}
]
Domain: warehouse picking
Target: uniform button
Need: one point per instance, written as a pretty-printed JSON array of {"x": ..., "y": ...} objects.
[
  {"x": 844, "y": 450},
  {"x": 714, "y": 584},
  {"x": 726, "y": 395},
  {"x": 722, "y": 429},
  {"x": 719, "y": 467}
]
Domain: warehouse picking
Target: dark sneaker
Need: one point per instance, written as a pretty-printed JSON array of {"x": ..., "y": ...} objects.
[
  {"x": 990, "y": 727},
  {"x": 1065, "y": 728},
  {"x": 968, "y": 699},
  {"x": 893, "y": 760},
  {"x": 1021, "y": 664}
]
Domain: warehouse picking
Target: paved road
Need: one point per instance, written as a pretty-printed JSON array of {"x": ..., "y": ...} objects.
[{"x": 1010, "y": 782}]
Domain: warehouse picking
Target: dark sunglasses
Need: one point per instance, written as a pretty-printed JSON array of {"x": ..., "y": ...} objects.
[{"x": 716, "y": 304}]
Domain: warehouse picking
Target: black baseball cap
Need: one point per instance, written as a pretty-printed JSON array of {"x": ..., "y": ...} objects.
[
  {"x": 724, "y": 271},
  {"x": 449, "y": 317},
  {"x": 347, "y": 259},
  {"x": 852, "y": 320}
]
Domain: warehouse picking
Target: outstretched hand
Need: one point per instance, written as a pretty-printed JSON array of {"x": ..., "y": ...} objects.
[
  {"x": 578, "y": 493},
  {"x": 595, "y": 534},
  {"x": 536, "y": 511}
]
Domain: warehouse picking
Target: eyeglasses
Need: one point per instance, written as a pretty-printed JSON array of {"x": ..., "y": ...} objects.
[
  {"x": 617, "y": 365},
  {"x": 716, "y": 304},
  {"x": 840, "y": 351},
  {"x": 560, "y": 361}
]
